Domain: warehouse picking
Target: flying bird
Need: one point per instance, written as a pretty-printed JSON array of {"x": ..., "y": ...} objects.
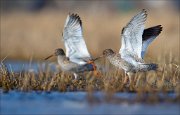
[
  {"x": 77, "y": 58},
  {"x": 134, "y": 43}
]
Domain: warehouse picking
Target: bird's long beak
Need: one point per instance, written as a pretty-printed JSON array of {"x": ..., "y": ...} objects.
[
  {"x": 49, "y": 57},
  {"x": 97, "y": 58}
]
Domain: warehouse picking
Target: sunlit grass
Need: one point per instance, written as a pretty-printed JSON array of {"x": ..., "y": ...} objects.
[{"x": 149, "y": 84}]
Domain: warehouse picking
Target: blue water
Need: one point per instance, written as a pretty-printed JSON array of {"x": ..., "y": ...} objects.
[
  {"x": 15, "y": 102},
  {"x": 18, "y": 65}
]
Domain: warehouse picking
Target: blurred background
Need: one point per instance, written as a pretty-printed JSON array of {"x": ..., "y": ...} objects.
[{"x": 33, "y": 28}]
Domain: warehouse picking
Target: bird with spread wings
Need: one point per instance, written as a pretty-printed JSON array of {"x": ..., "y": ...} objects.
[
  {"x": 134, "y": 43},
  {"x": 77, "y": 58}
]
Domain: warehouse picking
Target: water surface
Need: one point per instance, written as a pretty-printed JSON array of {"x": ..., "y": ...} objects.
[{"x": 15, "y": 102}]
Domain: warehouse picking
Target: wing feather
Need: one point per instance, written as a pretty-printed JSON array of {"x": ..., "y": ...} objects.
[
  {"x": 148, "y": 36},
  {"x": 75, "y": 45},
  {"x": 132, "y": 35}
]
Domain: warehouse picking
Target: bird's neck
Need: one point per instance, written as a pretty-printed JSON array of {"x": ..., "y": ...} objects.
[
  {"x": 61, "y": 59},
  {"x": 111, "y": 56}
]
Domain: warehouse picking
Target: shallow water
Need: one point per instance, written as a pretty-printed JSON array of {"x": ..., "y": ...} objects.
[
  {"x": 18, "y": 65},
  {"x": 15, "y": 102}
]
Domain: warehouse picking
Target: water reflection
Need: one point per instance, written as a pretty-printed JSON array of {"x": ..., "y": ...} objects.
[{"x": 34, "y": 66}]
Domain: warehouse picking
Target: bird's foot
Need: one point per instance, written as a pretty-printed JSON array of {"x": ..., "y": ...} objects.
[
  {"x": 95, "y": 72},
  {"x": 92, "y": 63}
]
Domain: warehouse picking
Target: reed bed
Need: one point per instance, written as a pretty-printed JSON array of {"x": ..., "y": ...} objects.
[{"x": 147, "y": 85}]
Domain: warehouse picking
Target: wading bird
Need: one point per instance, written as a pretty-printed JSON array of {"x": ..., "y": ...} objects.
[
  {"x": 77, "y": 58},
  {"x": 135, "y": 40}
]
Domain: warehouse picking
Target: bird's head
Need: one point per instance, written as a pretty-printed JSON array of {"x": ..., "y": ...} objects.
[
  {"x": 58, "y": 52},
  {"x": 108, "y": 52}
]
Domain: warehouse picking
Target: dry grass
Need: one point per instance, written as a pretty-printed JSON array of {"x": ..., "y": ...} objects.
[
  {"x": 150, "y": 84},
  {"x": 166, "y": 79}
]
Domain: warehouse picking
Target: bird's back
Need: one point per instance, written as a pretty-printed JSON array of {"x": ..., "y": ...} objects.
[
  {"x": 120, "y": 63},
  {"x": 83, "y": 68}
]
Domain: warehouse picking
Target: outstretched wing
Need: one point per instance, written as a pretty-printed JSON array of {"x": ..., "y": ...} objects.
[
  {"x": 149, "y": 35},
  {"x": 132, "y": 35},
  {"x": 74, "y": 42}
]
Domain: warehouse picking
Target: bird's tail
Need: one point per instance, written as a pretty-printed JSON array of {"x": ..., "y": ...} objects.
[
  {"x": 90, "y": 67},
  {"x": 148, "y": 67},
  {"x": 86, "y": 67}
]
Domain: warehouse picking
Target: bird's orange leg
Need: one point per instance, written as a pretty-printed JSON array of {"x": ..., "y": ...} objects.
[{"x": 95, "y": 72}]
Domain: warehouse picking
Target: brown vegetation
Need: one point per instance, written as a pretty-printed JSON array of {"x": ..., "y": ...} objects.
[{"x": 166, "y": 79}]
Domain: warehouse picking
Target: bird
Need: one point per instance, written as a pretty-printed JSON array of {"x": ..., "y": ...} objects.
[
  {"x": 77, "y": 58},
  {"x": 134, "y": 43}
]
